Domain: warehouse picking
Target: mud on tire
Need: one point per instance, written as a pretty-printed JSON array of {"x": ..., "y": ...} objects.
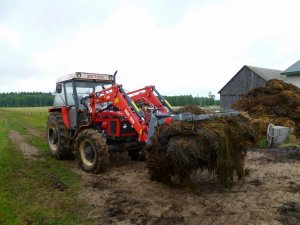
[
  {"x": 91, "y": 151},
  {"x": 58, "y": 136}
]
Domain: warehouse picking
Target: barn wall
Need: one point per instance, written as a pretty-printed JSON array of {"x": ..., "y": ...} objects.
[
  {"x": 293, "y": 79},
  {"x": 239, "y": 85},
  {"x": 226, "y": 101}
]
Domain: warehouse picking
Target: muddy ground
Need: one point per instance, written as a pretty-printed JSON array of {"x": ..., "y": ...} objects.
[{"x": 270, "y": 194}]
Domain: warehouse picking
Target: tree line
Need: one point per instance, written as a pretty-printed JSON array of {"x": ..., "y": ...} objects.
[
  {"x": 182, "y": 100},
  {"x": 31, "y": 99},
  {"x": 26, "y": 99}
]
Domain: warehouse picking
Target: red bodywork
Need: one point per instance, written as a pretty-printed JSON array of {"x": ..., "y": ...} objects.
[{"x": 111, "y": 122}]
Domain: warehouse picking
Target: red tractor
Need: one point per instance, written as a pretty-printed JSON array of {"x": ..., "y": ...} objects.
[{"x": 92, "y": 116}]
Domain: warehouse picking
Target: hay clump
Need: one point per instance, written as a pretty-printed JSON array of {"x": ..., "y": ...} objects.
[
  {"x": 277, "y": 103},
  {"x": 190, "y": 108},
  {"x": 217, "y": 145}
]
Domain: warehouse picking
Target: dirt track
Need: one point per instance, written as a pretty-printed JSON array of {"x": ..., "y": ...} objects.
[
  {"x": 28, "y": 151},
  {"x": 125, "y": 195}
]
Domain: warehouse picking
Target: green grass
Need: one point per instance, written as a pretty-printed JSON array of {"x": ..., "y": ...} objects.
[
  {"x": 263, "y": 143},
  {"x": 28, "y": 188}
]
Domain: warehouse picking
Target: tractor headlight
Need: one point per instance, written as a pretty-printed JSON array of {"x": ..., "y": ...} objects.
[{"x": 124, "y": 126}]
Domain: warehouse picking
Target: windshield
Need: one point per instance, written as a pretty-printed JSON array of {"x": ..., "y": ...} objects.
[{"x": 83, "y": 88}]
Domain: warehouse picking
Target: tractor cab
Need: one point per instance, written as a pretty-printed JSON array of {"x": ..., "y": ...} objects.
[{"x": 71, "y": 89}]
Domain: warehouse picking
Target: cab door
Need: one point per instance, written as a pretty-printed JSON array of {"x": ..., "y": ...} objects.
[{"x": 71, "y": 103}]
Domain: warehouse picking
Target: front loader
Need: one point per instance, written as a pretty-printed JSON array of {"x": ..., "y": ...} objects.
[{"x": 93, "y": 116}]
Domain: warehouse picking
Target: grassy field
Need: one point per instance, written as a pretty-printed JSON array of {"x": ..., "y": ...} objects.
[
  {"x": 28, "y": 188},
  {"x": 35, "y": 117}
]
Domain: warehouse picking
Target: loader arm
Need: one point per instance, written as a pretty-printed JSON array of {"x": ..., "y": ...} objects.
[
  {"x": 147, "y": 93},
  {"x": 120, "y": 99}
]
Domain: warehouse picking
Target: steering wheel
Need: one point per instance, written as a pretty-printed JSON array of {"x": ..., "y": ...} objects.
[{"x": 83, "y": 101}]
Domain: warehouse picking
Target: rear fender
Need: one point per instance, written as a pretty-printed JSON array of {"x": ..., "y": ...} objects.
[{"x": 64, "y": 113}]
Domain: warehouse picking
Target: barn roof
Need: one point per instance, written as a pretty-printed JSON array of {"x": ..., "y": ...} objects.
[
  {"x": 293, "y": 69},
  {"x": 264, "y": 73}
]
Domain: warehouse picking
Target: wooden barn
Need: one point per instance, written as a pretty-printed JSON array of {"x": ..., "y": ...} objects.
[{"x": 247, "y": 78}]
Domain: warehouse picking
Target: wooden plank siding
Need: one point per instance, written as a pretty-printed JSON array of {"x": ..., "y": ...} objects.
[{"x": 239, "y": 85}]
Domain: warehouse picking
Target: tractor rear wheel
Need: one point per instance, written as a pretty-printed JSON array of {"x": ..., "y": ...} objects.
[
  {"x": 91, "y": 151},
  {"x": 58, "y": 136}
]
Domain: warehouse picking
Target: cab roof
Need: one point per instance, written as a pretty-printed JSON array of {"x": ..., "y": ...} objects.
[{"x": 87, "y": 76}]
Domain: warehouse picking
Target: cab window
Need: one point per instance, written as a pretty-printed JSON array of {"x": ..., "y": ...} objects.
[
  {"x": 69, "y": 94},
  {"x": 59, "y": 99}
]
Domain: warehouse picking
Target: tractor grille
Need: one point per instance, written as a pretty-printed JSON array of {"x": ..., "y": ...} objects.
[{"x": 128, "y": 128}]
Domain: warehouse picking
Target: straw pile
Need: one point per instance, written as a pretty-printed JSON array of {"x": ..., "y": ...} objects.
[
  {"x": 217, "y": 145},
  {"x": 277, "y": 103}
]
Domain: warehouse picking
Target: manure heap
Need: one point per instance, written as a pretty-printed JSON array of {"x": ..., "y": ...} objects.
[
  {"x": 218, "y": 145},
  {"x": 191, "y": 109},
  {"x": 277, "y": 103}
]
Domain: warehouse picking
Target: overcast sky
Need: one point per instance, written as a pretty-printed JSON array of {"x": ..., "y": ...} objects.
[{"x": 181, "y": 46}]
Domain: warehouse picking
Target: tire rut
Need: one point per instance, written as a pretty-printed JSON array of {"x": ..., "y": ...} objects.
[{"x": 19, "y": 141}]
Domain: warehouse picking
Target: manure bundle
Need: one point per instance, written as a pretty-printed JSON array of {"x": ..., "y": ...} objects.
[{"x": 218, "y": 145}]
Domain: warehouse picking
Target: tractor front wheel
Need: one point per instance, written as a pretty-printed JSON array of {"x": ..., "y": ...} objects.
[
  {"x": 58, "y": 137},
  {"x": 91, "y": 151}
]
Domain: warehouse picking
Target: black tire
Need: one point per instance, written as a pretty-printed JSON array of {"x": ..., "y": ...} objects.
[
  {"x": 58, "y": 136},
  {"x": 91, "y": 151}
]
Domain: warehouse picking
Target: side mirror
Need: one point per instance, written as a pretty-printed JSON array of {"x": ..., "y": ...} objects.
[
  {"x": 58, "y": 88},
  {"x": 115, "y": 74}
]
